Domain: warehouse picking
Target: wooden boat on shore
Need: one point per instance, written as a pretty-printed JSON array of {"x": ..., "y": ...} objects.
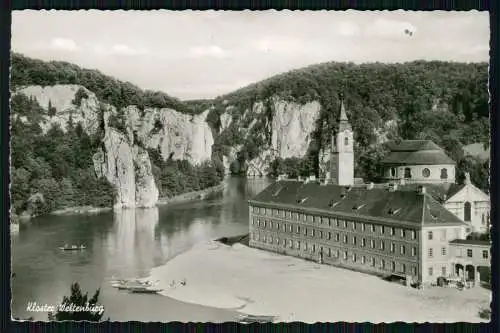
[
  {"x": 249, "y": 319},
  {"x": 72, "y": 248},
  {"x": 131, "y": 283},
  {"x": 144, "y": 290}
]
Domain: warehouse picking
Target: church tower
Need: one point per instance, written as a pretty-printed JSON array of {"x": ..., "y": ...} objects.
[{"x": 342, "y": 162}]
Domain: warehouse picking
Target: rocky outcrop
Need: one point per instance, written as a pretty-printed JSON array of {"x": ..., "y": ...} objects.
[
  {"x": 177, "y": 135},
  {"x": 225, "y": 119},
  {"x": 61, "y": 99},
  {"x": 127, "y": 166},
  {"x": 260, "y": 166},
  {"x": 291, "y": 128}
]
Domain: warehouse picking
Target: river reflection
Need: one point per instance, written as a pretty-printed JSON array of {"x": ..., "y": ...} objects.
[
  {"x": 131, "y": 243},
  {"x": 124, "y": 243}
]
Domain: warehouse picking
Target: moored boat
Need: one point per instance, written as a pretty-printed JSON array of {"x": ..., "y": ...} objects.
[
  {"x": 125, "y": 284},
  {"x": 144, "y": 290},
  {"x": 249, "y": 319},
  {"x": 72, "y": 248}
]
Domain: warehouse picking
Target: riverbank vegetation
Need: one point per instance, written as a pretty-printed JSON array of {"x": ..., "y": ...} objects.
[
  {"x": 175, "y": 177},
  {"x": 52, "y": 170}
]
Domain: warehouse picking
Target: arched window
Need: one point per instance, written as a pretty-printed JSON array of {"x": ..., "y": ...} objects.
[
  {"x": 393, "y": 172},
  {"x": 407, "y": 173},
  {"x": 467, "y": 211},
  {"x": 346, "y": 141},
  {"x": 444, "y": 173},
  {"x": 426, "y": 173}
]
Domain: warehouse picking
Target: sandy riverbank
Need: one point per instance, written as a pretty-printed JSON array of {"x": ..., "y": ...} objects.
[{"x": 262, "y": 283}]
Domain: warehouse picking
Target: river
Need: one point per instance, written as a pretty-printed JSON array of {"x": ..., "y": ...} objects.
[{"x": 122, "y": 244}]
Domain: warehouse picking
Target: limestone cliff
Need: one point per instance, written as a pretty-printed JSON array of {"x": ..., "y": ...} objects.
[
  {"x": 286, "y": 130},
  {"x": 127, "y": 166},
  {"x": 61, "y": 99},
  {"x": 123, "y": 158},
  {"x": 178, "y": 136}
]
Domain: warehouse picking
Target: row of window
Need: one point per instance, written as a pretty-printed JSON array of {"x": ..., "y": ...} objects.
[
  {"x": 354, "y": 241},
  {"x": 485, "y": 253},
  {"x": 443, "y": 271},
  {"x": 430, "y": 252},
  {"x": 426, "y": 173},
  {"x": 298, "y": 245},
  {"x": 336, "y": 222},
  {"x": 442, "y": 233}
]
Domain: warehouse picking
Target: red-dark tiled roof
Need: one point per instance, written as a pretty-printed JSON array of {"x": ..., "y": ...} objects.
[
  {"x": 471, "y": 242},
  {"x": 416, "y": 152},
  {"x": 358, "y": 201},
  {"x": 413, "y": 145},
  {"x": 440, "y": 192}
]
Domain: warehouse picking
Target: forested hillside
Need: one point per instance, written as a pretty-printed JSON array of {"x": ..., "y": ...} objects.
[
  {"x": 54, "y": 169},
  {"x": 441, "y": 101},
  {"x": 28, "y": 71}
]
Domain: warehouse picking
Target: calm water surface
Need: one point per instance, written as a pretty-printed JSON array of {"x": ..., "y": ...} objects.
[{"x": 123, "y": 244}]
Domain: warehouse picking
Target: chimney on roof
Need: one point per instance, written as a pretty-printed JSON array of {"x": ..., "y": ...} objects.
[
  {"x": 421, "y": 189},
  {"x": 393, "y": 187},
  {"x": 370, "y": 186}
]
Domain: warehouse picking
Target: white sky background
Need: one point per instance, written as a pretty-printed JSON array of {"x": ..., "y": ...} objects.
[{"x": 195, "y": 54}]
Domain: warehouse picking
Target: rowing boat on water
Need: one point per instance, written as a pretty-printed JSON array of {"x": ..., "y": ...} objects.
[{"x": 72, "y": 248}]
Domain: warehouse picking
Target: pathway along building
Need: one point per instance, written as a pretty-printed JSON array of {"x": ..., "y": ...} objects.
[{"x": 387, "y": 229}]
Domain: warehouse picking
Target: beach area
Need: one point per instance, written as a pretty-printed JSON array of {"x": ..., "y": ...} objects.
[{"x": 257, "y": 282}]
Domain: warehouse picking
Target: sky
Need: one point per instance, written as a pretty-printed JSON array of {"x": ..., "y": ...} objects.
[{"x": 204, "y": 54}]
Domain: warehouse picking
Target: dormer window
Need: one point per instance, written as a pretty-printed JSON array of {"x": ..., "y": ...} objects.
[
  {"x": 300, "y": 201},
  {"x": 393, "y": 211},
  {"x": 356, "y": 207},
  {"x": 277, "y": 192}
]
